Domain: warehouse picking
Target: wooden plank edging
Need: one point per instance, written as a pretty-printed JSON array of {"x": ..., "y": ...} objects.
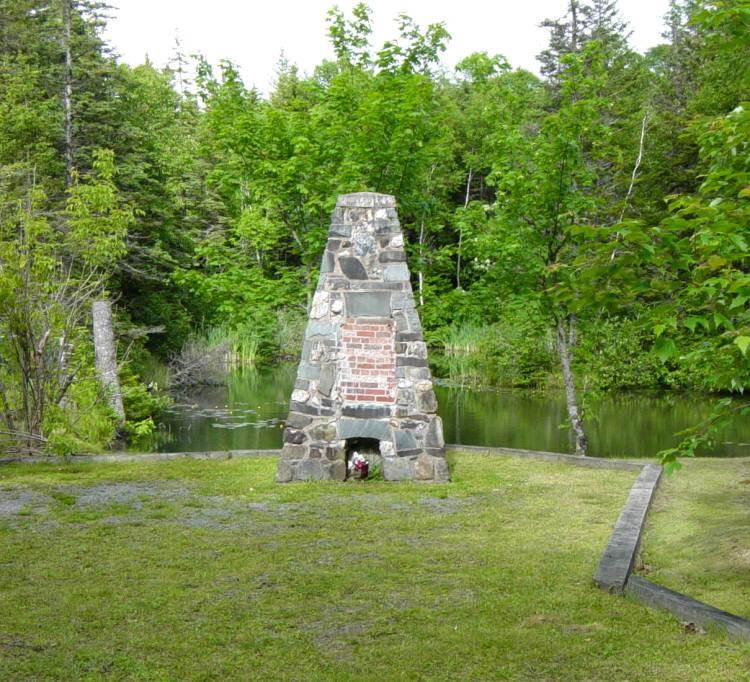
[
  {"x": 686, "y": 608},
  {"x": 619, "y": 555}
]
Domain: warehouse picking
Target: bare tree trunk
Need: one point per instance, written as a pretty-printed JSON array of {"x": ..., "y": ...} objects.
[
  {"x": 105, "y": 356},
  {"x": 67, "y": 94},
  {"x": 565, "y": 342},
  {"x": 461, "y": 232},
  {"x": 420, "y": 274},
  {"x": 636, "y": 166}
]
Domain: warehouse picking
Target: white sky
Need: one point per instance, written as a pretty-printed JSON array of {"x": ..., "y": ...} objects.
[{"x": 253, "y": 33}]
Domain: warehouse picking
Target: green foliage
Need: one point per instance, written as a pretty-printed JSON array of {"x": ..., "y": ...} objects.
[{"x": 526, "y": 203}]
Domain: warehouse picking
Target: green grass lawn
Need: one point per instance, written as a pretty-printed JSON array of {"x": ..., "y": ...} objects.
[
  {"x": 697, "y": 538},
  {"x": 209, "y": 570}
]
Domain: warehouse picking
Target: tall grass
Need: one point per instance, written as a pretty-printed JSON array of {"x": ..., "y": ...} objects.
[
  {"x": 462, "y": 346},
  {"x": 209, "y": 355},
  {"x": 509, "y": 353},
  {"x": 290, "y": 330},
  {"x": 240, "y": 346}
]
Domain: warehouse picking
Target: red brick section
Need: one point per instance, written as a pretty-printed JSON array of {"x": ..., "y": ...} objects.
[{"x": 367, "y": 362}]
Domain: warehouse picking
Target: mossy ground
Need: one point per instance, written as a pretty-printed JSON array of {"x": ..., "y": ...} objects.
[
  {"x": 697, "y": 536},
  {"x": 209, "y": 570}
]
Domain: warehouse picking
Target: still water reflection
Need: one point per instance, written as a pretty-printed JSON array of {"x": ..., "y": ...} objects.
[{"x": 248, "y": 412}]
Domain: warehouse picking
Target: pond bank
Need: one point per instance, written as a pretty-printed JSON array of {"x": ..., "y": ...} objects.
[{"x": 249, "y": 410}]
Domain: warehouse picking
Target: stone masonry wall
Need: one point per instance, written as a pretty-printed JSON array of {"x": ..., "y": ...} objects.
[{"x": 363, "y": 371}]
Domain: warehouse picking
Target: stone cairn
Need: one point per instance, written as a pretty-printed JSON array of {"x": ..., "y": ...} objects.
[{"x": 363, "y": 377}]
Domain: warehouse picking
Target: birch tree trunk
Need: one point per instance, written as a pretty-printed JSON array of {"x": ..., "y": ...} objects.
[
  {"x": 461, "y": 232},
  {"x": 420, "y": 273},
  {"x": 565, "y": 342},
  {"x": 105, "y": 357}
]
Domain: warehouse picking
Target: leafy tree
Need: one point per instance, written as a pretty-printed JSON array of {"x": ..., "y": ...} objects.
[{"x": 50, "y": 275}]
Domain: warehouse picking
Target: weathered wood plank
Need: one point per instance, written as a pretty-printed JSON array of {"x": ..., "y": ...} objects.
[
  {"x": 686, "y": 608},
  {"x": 617, "y": 560}
]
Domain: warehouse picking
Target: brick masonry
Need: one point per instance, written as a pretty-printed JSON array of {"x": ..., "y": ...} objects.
[
  {"x": 367, "y": 362},
  {"x": 363, "y": 372}
]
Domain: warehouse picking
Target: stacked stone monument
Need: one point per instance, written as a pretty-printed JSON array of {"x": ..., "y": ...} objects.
[{"x": 363, "y": 381}]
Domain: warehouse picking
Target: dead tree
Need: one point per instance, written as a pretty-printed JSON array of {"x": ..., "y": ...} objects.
[{"x": 105, "y": 356}]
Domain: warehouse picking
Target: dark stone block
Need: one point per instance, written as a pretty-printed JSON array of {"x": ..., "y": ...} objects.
[
  {"x": 327, "y": 378},
  {"x": 352, "y": 267},
  {"x": 426, "y": 401},
  {"x": 337, "y": 283},
  {"x": 337, "y": 470},
  {"x": 364, "y": 428},
  {"x": 404, "y": 440},
  {"x": 368, "y": 304},
  {"x": 406, "y": 361},
  {"x": 402, "y": 324},
  {"x": 434, "y": 435},
  {"x": 366, "y": 200},
  {"x": 290, "y": 451},
  {"x": 408, "y": 336},
  {"x": 308, "y": 371},
  {"x": 340, "y": 230},
  {"x": 405, "y": 396},
  {"x": 284, "y": 471},
  {"x": 396, "y": 272},
  {"x": 326, "y": 265},
  {"x": 377, "y": 286},
  {"x": 417, "y": 373},
  {"x": 335, "y": 454},
  {"x": 410, "y": 453},
  {"x": 392, "y": 257},
  {"x": 316, "y": 328},
  {"x": 294, "y": 436},
  {"x": 384, "y": 226},
  {"x": 311, "y": 409},
  {"x": 302, "y": 384},
  {"x": 312, "y": 470},
  {"x": 333, "y": 244},
  {"x": 298, "y": 421},
  {"x": 372, "y": 320},
  {"x": 323, "y": 432},
  {"x": 306, "y": 348},
  {"x": 366, "y": 411},
  {"x": 396, "y": 469}
]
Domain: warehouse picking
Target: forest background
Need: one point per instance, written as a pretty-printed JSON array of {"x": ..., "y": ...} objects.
[{"x": 585, "y": 230}]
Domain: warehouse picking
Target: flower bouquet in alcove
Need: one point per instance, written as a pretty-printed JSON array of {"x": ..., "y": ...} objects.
[{"x": 359, "y": 467}]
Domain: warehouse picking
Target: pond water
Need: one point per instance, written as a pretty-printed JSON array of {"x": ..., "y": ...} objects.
[{"x": 248, "y": 412}]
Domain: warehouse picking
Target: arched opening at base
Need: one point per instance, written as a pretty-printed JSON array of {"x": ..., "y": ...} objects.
[{"x": 369, "y": 448}]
